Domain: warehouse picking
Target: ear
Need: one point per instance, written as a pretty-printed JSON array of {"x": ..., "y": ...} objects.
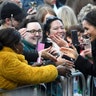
[
  {"x": 8, "y": 21},
  {"x": 15, "y": 48},
  {"x": 47, "y": 33}
]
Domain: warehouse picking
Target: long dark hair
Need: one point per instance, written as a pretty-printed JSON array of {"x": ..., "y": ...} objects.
[{"x": 91, "y": 17}]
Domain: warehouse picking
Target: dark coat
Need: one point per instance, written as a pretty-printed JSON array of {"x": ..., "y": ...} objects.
[
  {"x": 29, "y": 52},
  {"x": 84, "y": 65}
]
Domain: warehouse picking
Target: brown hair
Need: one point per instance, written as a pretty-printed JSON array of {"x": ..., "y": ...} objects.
[
  {"x": 42, "y": 10},
  {"x": 76, "y": 5}
]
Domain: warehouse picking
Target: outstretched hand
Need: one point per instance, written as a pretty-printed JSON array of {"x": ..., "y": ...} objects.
[
  {"x": 72, "y": 53},
  {"x": 45, "y": 53},
  {"x": 63, "y": 71},
  {"x": 86, "y": 52},
  {"x": 64, "y": 62}
]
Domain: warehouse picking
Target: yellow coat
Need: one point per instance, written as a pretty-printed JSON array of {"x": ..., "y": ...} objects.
[{"x": 15, "y": 71}]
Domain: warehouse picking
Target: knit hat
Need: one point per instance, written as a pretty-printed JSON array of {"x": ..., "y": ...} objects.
[{"x": 8, "y": 9}]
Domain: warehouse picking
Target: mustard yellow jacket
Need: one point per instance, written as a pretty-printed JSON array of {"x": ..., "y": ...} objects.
[{"x": 15, "y": 71}]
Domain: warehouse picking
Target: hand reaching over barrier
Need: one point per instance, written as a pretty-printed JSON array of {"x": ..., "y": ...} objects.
[
  {"x": 64, "y": 62},
  {"x": 63, "y": 71},
  {"x": 45, "y": 53}
]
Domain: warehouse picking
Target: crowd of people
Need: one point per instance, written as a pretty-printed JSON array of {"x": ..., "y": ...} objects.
[{"x": 26, "y": 24}]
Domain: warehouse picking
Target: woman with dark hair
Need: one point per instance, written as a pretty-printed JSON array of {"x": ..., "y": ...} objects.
[
  {"x": 14, "y": 69},
  {"x": 82, "y": 64},
  {"x": 50, "y": 28},
  {"x": 53, "y": 25},
  {"x": 89, "y": 25}
]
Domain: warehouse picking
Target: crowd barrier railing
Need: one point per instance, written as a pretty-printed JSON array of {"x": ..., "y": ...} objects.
[
  {"x": 66, "y": 83},
  {"x": 74, "y": 74},
  {"x": 28, "y": 90}
]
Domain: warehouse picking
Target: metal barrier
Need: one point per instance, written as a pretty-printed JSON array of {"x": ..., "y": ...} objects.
[
  {"x": 83, "y": 81},
  {"x": 88, "y": 85},
  {"x": 67, "y": 89},
  {"x": 66, "y": 84},
  {"x": 28, "y": 90}
]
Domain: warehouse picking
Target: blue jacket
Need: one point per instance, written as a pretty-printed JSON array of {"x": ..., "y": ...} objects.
[{"x": 25, "y": 3}]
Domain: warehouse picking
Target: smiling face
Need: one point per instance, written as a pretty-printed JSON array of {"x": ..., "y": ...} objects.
[
  {"x": 57, "y": 27},
  {"x": 33, "y": 33},
  {"x": 89, "y": 30}
]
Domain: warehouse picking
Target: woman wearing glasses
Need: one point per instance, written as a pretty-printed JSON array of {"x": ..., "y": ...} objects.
[{"x": 33, "y": 34}]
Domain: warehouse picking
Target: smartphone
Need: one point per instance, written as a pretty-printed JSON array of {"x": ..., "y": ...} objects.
[
  {"x": 74, "y": 36},
  {"x": 68, "y": 58},
  {"x": 75, "y": 40},
  {"x": 48, "y": 44}
]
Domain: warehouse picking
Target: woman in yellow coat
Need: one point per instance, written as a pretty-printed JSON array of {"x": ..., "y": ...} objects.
[{"x": 14, "y": 69}]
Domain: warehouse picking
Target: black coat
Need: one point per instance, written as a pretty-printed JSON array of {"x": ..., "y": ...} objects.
[
  {"x": 31, "y": 56},
  {"x": 84, "y": 65}
]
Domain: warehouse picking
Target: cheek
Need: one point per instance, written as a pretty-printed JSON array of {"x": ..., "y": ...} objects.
[
  {"x": 92, "y": 31},
  {"x": 41, "y": 35},
  {"x": 29, "y": 35},
  {"x": 21, "y": 48},
  {"x": 53, "y": 32},
  {"x": 29, "y": 38},
  {"x": 16, "y": 23}
]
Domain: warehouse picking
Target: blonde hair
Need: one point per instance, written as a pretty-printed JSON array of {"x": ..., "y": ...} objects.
[{"x": 67, "y": 15}]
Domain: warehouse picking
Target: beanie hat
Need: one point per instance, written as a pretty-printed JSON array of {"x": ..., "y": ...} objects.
[{"x": 8, "y": 9}]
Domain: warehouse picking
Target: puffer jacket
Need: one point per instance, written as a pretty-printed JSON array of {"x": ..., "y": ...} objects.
[{"x": 15, "y": 71}]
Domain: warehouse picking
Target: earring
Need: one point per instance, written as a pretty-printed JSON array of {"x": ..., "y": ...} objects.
[{"x": 17, "y": 50}]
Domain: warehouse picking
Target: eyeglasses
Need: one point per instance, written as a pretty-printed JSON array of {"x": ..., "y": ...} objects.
[{"x": 35, "y": 31}]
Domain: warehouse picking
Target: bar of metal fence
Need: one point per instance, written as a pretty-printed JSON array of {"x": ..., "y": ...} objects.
[
  {"x": 74, "y": 74},
  {"x": 88, "y": 85},
  {"x": 65, "y": 81},
  {"x": 68, "y": 84}
]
